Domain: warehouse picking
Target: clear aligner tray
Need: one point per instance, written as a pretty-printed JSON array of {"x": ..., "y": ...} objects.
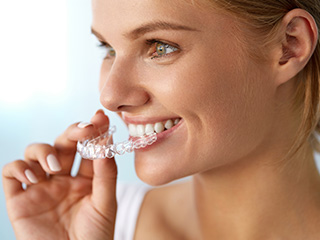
[{"x": 101, "y": 147}]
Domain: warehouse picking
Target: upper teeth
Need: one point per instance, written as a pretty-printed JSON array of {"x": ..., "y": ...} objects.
[{"x": 140, "y": 130}]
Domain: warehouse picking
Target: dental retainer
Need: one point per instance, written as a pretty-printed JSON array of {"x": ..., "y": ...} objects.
[{"x": 101, "y": 146}]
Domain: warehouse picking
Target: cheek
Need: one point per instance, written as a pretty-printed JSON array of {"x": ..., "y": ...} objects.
[
  {"x": 202, "y": 86},
  {"x": 226, "y": 104}
]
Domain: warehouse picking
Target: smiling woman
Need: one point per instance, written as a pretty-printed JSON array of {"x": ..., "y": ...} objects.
[{"x": 231, "y": 91}]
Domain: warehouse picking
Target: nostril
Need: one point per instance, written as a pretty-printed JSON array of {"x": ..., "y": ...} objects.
[
  {"x": 120, "y": 108},
  {"x": 122, "y": 102},
  {"x": 125, "y": 107}
]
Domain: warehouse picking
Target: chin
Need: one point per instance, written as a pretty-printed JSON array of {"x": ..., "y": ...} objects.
[
  {"x": 153, "y": 173},
  {"x": 154, "y": 181},
  {"x": 157, "y": 173},
  {"x": 154, "y": 177}
]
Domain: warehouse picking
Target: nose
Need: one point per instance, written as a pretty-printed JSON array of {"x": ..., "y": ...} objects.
[{"x": 120, "y": 87}]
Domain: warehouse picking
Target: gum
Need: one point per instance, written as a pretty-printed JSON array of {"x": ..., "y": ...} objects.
[{"x": 101, "y": 147}]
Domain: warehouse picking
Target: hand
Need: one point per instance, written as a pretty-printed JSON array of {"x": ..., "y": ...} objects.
[{"x": 54, "y": 204}]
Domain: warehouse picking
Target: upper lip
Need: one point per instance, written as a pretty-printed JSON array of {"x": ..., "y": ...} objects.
[{"x": 145, "y": 120}]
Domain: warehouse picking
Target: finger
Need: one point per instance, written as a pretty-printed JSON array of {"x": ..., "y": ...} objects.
[
  {"x": 86, "y": 168},
  {"x": 101, "y": 123},
  {"x": 100, "y": 120},
  {"x": 104, "y": 186},
  {"x": 46, "y": 156},
  {"x": 38, "y": 170},
  {"x": 66, "y": 143},
  {"x": 14, "y": 174}
]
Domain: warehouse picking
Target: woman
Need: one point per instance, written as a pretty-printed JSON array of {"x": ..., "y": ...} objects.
[{"x": 241, "y": 80}]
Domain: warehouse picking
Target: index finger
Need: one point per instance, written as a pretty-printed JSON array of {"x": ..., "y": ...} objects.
[{"x": 66, "y": 142}]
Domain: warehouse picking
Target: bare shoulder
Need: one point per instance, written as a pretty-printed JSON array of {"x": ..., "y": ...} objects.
[{"x": 162, "y": 212}]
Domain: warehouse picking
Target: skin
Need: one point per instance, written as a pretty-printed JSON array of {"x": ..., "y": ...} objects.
[
  {"x": 236, "y": 127},
  {"x": 144, "y": 89}
]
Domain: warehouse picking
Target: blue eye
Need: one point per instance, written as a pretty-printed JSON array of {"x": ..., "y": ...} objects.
[
  {"x": 162, "y": 49},
  {"x": 109, "y": 51}
]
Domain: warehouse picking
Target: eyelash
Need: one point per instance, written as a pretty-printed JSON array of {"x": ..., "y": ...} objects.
[
  {"x": 150, "y": 43},
  {"x": 107, "y": 47},
  {"x": 156, "y": 43}
]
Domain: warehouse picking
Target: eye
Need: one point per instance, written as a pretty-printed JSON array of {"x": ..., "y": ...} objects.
[
  {"x": 161, "y": 49},
  {"x": 109, "y": 52}
]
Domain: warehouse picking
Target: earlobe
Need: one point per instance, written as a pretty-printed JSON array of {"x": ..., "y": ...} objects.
[{"x": 300, "y": 36}]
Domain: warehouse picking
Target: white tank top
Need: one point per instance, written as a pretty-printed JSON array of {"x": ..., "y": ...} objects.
[{"x": 129, "y": 198}]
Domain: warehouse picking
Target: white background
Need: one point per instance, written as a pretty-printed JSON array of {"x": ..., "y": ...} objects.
[{"x": 49, "y": 71}]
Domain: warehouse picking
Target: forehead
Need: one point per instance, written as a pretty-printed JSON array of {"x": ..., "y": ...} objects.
[
  {"x": 110, "y": 16},
  {"x": 141, "y": 8}
]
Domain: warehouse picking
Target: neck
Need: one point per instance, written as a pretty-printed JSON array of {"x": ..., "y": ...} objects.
[{"x": 259, "y": 200}]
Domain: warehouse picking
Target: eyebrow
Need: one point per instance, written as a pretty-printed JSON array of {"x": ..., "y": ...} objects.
[
  {"x": 98, "y": 35},
  {"x": 150, "y": 27},
  {"x": 156, "y": 26}
]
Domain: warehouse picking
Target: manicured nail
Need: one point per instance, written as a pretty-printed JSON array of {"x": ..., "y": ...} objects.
[
  {"x": 53, "y": 163},
  {"x": 84, "y": 124},
  {"x": 31, "y": 177}
]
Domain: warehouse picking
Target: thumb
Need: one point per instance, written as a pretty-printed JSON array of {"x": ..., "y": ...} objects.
[{"x": 104, "y": 186}]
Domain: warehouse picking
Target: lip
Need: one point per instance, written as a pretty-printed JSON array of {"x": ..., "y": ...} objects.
[
  {"x": 147, "y": 120},
  {"x": 162, "y": 136}
]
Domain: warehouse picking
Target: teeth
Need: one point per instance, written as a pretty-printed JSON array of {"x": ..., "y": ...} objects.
[
  {"x": 158, "y": 127},
  {"x": 149, "y": 128},
  {"x": 132, "y": 130},
  {"x": 140, "y": 130},
  {"x": 169, "y": 124}
]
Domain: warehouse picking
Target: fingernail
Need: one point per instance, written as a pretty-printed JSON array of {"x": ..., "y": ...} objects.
[
  {"x": 53, "y": 163},
  {"x": 99, "y": 111},
  {"x": 31, "y": 177},
  {"x": 84, "y": 124}
]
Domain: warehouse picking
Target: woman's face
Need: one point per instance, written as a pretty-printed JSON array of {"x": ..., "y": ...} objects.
[{"x": 173, "y": 60}]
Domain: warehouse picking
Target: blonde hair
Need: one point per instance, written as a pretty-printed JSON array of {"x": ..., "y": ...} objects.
[{"x": 264, "y": 17}]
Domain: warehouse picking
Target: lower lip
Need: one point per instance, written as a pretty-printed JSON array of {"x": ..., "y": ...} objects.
[{"x": 161, "y": 136}]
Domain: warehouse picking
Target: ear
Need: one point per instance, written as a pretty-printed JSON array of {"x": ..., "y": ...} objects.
[{"x": 300, "y": 35}]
